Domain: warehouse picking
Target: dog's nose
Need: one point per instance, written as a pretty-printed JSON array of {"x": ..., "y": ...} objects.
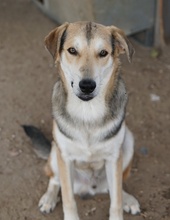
[{"x": 87, "y": 85}]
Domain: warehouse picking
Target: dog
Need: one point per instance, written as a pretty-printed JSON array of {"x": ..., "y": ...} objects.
[{"x": 92, "y": 147}]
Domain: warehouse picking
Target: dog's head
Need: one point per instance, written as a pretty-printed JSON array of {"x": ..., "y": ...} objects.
[{"x": 88, "y": 55}]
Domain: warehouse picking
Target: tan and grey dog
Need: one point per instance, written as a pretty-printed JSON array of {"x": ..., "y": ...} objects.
[{"x": 93, "y": 148}]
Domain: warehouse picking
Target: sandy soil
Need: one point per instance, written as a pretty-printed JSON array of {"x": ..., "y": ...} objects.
[{"x": 26, "y": 79}]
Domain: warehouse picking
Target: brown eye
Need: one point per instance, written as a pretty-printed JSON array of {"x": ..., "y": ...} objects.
[
  {"x": 72, "y": 51},
  {"x": 103, "y": 53}
]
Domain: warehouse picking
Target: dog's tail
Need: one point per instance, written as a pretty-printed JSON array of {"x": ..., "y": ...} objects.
[{"x": 41, "y": 145}]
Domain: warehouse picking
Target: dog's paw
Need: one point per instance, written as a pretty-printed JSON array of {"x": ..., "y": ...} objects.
[
  {"x": 130, "y": 204},
  {"x": 48, "y": 202}
]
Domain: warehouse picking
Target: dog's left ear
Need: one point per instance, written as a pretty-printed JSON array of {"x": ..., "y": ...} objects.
[
  {"x": 55, "y": 39},
  {"x": 122, "y": 43}
]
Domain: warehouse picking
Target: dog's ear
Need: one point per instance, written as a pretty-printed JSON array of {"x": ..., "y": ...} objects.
[
  {"x": 122, "y": 43},
  {"x": 55, "y": 39}
]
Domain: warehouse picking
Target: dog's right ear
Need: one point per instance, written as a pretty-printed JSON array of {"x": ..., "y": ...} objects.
[{"x": 55, "y": 39}]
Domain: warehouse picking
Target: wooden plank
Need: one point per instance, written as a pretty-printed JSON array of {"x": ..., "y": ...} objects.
[{"x": 159, "y": 27}]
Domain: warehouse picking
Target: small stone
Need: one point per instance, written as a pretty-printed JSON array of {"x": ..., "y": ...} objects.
[
  {"x": 154, "y": 97},
  {"x": 13, "y": 136},
  {"x": 14, "y": 152},
  {"x": 143, "y": 151},
  {"x": 160, "y": 71},
  {"x": 42, "y": 121},
  {"x": 90, "y": 212}
]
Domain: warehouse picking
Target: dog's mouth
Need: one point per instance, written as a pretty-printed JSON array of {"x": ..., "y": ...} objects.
[{"x": 85, "y": 97}]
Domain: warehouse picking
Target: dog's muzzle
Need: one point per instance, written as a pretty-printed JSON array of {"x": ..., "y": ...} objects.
[{"x": 87, "y": 86}]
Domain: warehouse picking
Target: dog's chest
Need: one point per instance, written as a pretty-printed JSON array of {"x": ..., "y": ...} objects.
[
  {"x": 81, "y": 132},
  {"x": 86, "y": 144}
]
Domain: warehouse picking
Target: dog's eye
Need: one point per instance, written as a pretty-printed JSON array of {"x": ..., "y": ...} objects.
[
  {"x": 72, "y": 51},
  {"x": 103, "y": 53}
]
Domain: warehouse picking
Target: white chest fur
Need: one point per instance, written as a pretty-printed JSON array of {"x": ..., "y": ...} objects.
[
  {"x": 88, "y": 149},
  {"x": 86, "y": 144}
]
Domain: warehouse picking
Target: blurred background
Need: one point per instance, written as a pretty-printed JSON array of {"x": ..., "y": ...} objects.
[
  {"x": 147, "y": 20},
  {"x": 27, "y": 76}
]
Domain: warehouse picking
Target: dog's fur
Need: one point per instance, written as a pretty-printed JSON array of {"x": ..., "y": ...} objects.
[{"x": 92, "y": 145}]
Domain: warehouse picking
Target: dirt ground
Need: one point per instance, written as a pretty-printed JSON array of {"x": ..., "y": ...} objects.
[{"x": 27, "y": 76}]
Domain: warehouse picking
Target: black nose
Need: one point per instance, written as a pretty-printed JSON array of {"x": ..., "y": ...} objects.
[{"x": 87, "y": 85}]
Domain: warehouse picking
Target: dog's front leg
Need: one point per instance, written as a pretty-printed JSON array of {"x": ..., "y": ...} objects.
[
  {"x": 114, "y": 178},
  {"x": 66, "y": 180}
]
